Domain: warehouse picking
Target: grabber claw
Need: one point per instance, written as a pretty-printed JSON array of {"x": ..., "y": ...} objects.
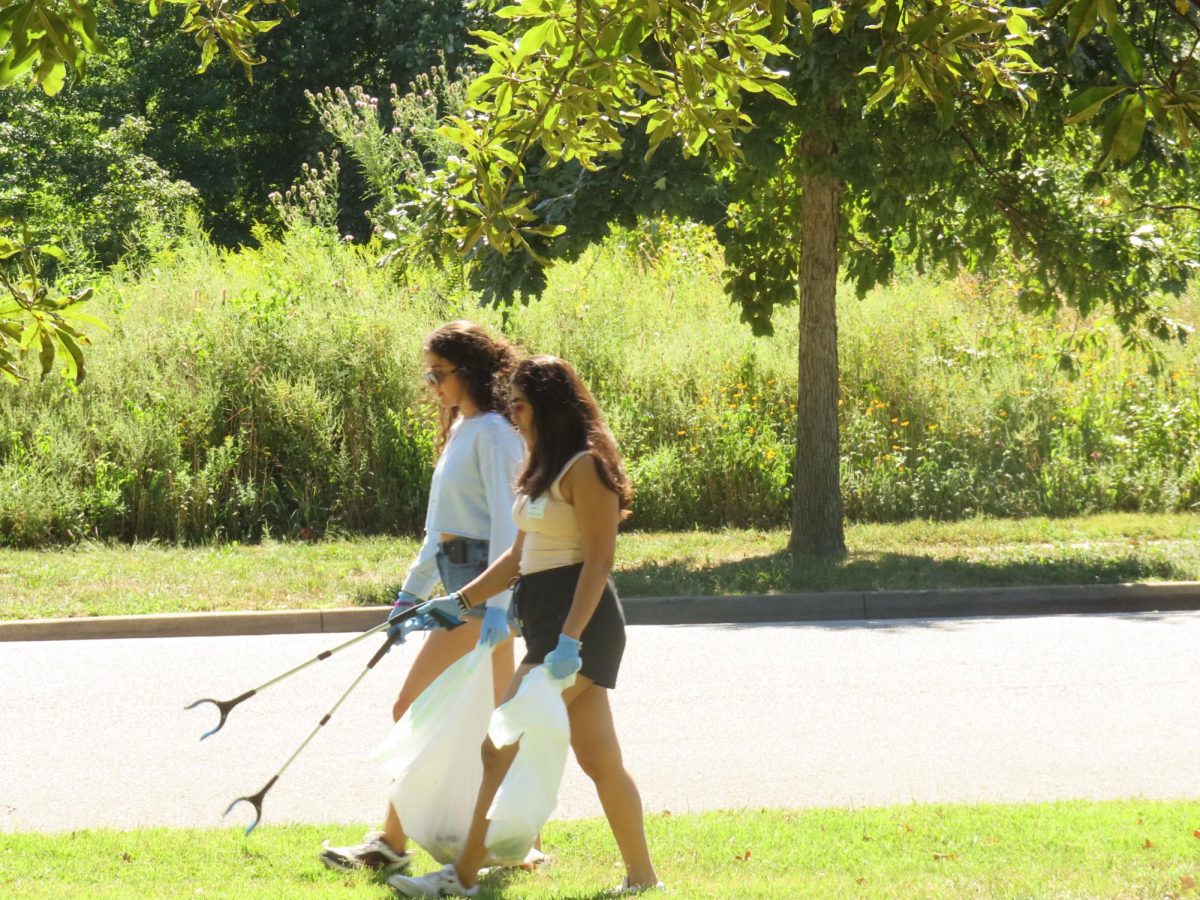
[
  {"x": 223, "y": 707},
  {"x": 254, "y": 800}
]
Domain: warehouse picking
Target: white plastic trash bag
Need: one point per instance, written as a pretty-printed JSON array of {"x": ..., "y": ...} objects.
[
  {"x": 433, "y": 752},
  {"x": 537, "y": 717}
]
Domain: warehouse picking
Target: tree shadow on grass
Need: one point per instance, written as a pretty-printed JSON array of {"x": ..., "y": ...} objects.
[{"x": 781, "y": 573}]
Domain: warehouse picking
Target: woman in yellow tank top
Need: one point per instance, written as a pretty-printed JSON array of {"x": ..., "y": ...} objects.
[{"x": 571, "y": 497}]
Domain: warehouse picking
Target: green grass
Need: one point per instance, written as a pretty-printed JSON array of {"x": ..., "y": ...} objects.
[
  {"x": 108, "y": 579},
  {"x": 1124, "y": 849}
]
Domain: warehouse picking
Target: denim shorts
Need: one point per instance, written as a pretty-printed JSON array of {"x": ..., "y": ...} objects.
[{"x": 459, "y": 575}]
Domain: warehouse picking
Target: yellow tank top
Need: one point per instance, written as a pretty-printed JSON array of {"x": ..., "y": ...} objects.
[{"x": 552, "y": 537}]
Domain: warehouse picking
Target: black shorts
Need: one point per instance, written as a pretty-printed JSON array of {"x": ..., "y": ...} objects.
[{"x": 542, "y": 601}]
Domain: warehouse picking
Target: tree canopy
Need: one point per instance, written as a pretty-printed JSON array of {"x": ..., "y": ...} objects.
[
  {"x": 117, "y": 138},
  {"x": 845, "y": 135},
  {"x": 44, "y": 40}
]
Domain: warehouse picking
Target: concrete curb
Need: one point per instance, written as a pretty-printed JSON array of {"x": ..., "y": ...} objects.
[{"x": 808, "y": 607}]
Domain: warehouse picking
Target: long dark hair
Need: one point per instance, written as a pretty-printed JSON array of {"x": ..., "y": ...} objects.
[
  {"x": 566, "y": 420},
  {"x": 483, "y": 362}
]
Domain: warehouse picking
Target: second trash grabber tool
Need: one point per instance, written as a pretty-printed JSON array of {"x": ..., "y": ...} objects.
[{"x": 256, "y": 800}]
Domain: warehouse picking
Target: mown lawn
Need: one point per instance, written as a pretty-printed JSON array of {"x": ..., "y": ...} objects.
[
  {"x": 103, "y": 579},
  {"x": 1122, "y": 849}
]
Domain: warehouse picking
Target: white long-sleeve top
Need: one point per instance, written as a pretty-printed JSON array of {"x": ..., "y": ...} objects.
[{"x": 471, "y": 495}]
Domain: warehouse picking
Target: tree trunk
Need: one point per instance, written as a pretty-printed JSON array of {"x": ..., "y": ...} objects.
[{"x": 816, "y": 488}]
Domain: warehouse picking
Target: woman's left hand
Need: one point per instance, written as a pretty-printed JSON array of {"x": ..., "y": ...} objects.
[
  {"x": 494, "y": 631},
  {"x": 563, "y": 661}
]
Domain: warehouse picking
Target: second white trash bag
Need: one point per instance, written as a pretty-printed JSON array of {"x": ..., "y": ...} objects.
[
  {"x": 537, "y": 717},
  {"x": 433, "y": 753}
]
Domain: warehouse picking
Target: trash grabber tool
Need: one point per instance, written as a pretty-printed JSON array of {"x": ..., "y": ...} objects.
[
  {"x": 256, "y": 800},
  {"x": 225, "y": 706}
]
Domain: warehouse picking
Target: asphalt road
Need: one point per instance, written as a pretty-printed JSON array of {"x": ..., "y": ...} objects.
[{"x": 93, "y": 733}]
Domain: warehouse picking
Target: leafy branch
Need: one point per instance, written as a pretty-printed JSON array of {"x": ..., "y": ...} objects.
[
  {"x": 32, "y": 315},
  {"x": 44, "y": 40}
]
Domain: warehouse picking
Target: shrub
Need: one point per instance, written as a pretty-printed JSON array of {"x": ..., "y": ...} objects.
[{"x": 276, "y": 390}]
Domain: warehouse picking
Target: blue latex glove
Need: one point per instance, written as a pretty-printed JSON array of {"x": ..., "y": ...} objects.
[
  {"x": 495, "y": 627},
  {"x": 402, "y": 627},
  {"x": 563, "y": 661},
  {"x": 441, "y": 612},
  {"x": 404, "y": 598}
]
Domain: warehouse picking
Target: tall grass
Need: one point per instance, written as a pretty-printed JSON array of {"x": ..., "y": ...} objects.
[{"x": 275, "y": 390}]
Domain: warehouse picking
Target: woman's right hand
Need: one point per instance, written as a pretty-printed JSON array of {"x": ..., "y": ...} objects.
[{"x": 442, "y": 612}]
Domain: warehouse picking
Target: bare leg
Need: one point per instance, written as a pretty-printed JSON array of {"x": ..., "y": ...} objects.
[
  {"x": 594, "y": 740},
  {"x": 496, "y": 762},
  {"x": 438, "y": 652}
]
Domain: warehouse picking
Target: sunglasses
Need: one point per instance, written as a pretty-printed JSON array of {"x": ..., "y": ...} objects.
[{"x": 433, "y": 378}]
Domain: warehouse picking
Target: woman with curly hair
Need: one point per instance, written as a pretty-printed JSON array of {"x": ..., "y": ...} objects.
[{"x": 468, "y": 526}]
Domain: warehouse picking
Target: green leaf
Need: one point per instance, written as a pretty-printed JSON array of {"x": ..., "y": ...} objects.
[
  {"x": 888, "y": 85},
  {"x": 46, "y": 354},
  {"x": 1129, "y": 57},
  {"x": 75, "y": 368},
  {"x": 29, "y": 335},
  {"x": 504, "y": 97},
  {"x": 927, "y": 25},
  {"x": 535, "y": 39},
  {"x": 962, "y": 29},
  {"x": 207, "y": 52},
  {"x": 1080, "y": 21},
  {"x": 83, "y": 318},
  {"x": 1087, "y": 103},
  {"x": 806, "y": 21},
  {"x": 51, "y": 75},
  {"x": 480, "y": 85},
  {"x": 632, "y": 35},
  {"x": 779, "y": 92},
  {"x": 1123, "y": 130},
  {"x": 1128, "y": 138},
  {"x": 84, "y": 25}
]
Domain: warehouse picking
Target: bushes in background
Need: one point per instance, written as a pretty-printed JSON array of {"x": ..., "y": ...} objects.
[{"x": 276, "y": 390}]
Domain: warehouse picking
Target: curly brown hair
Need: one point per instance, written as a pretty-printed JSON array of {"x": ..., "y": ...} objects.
[
  {"x": 485, "y": 364},
  {"x": 566, "y": 420}
]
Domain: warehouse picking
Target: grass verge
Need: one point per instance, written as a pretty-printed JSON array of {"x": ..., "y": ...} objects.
[
  {"x": 104, "y": 579},
  {"x": 1073, "y": 849}
]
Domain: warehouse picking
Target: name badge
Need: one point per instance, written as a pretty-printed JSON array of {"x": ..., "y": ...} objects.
[{"x": 536, "y": 509}]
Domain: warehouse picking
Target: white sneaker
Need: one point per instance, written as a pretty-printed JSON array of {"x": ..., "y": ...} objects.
[
  {"x": 442, "y": 883},
  {"x": 624, "y": 887},
  {"x": 372, "y": 853}
]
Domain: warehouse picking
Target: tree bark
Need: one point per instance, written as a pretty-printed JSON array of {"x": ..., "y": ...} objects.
[{"x": 816, "y": 488}]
